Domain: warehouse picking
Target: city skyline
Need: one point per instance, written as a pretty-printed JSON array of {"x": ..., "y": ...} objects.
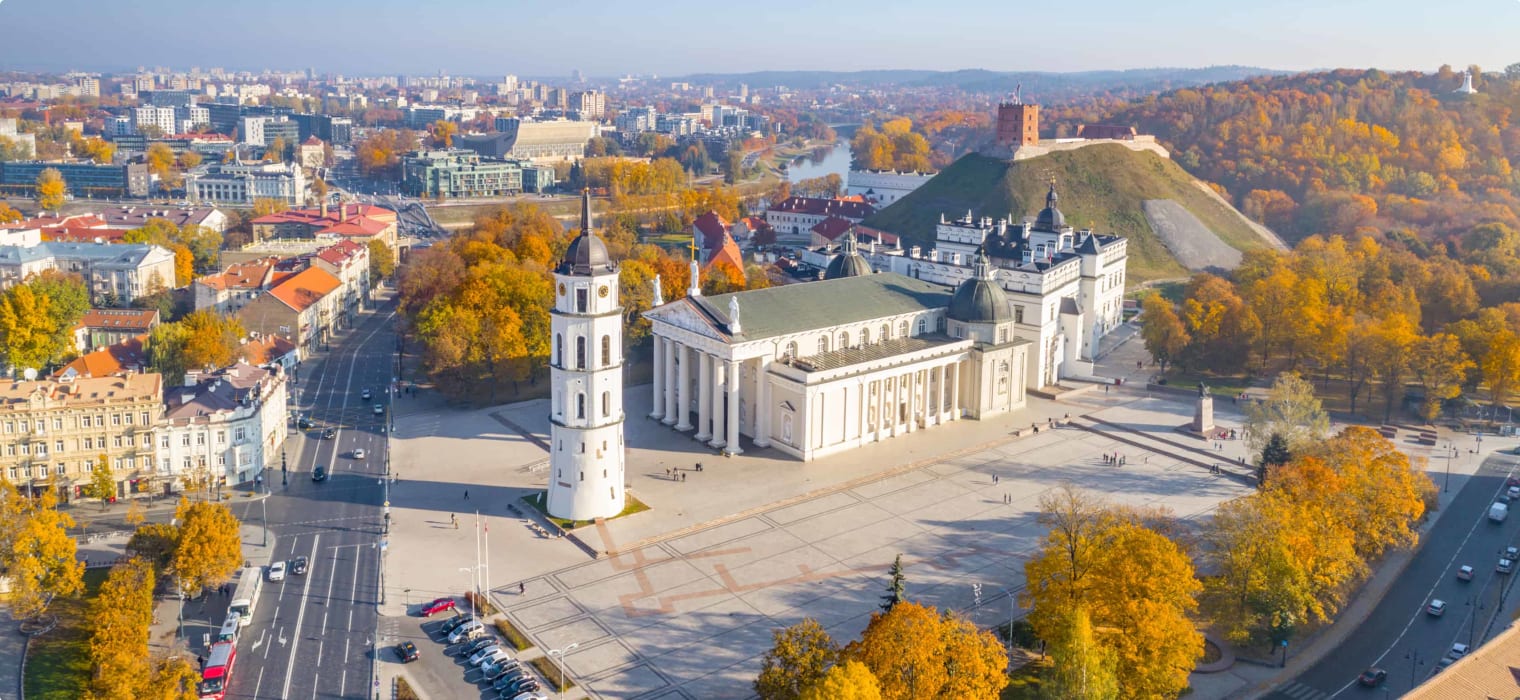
[{"x": 680, "y": 40}]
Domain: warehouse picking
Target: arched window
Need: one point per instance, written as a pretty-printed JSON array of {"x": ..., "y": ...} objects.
[
  {"x": 844, "y": 340},
  {"x": 559, "y": 350},
  {"x": 902, "y": 329},
  {"x": 823, "y": 343},
  {"x": 606, "y": 404},
  {"x": 886, "y": 332},
  {"x": 791, "y": 349},
  {"x": 580, "y": 406},
  {"x": 580, "y": 352},
  {"x": 921, "y": 326},
  {"x": 606, "y": 351},
  {"x": 865, "y": 336}
]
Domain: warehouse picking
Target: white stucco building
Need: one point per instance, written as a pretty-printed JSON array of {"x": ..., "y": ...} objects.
[
  {"x": 882, "y": 188},
  {"x": 586, "y": 377},
  {"x": 228, "y": 425}
]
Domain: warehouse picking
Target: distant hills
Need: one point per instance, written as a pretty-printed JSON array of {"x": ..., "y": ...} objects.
[
  {"x": 1103, "y": 187},
  {"x": 1043, "y": 86}
]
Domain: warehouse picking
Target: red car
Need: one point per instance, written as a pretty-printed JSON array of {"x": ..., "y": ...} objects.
[{"x": 437, "y": 606}]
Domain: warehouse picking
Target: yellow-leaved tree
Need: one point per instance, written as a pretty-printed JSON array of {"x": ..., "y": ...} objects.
[
  {"x": 799, "y": 658},
  {"x": 119, "y": 619},
  {"x": 42, "y": 563},
  {"x": 210, "y": 546},
  {"x": 51, "y": 189},
  {"x": 915, "y": 652},
  {"x": 849, "y": 680},
  {"x": 1081, "y": 668}
]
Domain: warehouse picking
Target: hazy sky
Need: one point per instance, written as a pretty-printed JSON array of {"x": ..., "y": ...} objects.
[{"x": 674, "y": 37}]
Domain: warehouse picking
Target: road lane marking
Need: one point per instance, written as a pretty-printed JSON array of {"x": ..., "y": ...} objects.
[{"x": 290, "y": 666}]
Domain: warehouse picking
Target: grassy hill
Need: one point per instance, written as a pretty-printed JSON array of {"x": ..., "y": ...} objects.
[{"x": 1101, "y": 187}]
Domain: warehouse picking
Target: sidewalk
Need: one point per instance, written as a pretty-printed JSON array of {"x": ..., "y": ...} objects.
[{"x": 202, "y": 617}]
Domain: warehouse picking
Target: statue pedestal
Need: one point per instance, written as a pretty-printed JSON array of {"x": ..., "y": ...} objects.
[{"x": 1203, "y": 415}]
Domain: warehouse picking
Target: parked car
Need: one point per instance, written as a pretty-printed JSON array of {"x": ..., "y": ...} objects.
[
  {"x": 1458, "y": 650},
  {"x": 1505, "y": 566},
  {"x": 439, "y": 605},
  {"x": 453, "y": 623},
  {"x": 506, "y": 680},
  {"x": 1436, "y": 608},
  {"x": 493, "y": 671},
  {"x": 276, "y": 571},
  {"x": 407, "y": 651},
  {"x": 1513, "y": 492},
  {"x": 319, "y": 474},
  {"x": 468, "y": 630},
  {"x": 522, "y": 685},
  {"x": 298, "y": 566},
  {"x": 359, "y": 453},
  {"x": 489, "y": 652},
  {"x": 468, "y": 650},
  {"x": 1372, "y": 677}
]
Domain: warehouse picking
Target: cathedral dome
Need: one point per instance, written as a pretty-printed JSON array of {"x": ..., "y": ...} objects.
[
  {"x": 587, "y": 254},
  {"x": 979, "y": 299},
  {"x": 1050, "y": 218},
  {"x": 849, "y": 262}
]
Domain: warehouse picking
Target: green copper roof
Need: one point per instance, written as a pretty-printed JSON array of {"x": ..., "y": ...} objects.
[{"x": 795, "y": 308}]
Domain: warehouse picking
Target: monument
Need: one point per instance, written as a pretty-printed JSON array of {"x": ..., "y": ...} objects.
[{"x": 1203, "y": 413}]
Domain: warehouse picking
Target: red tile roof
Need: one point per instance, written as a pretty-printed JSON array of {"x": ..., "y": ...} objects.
[
  {"x": 340, "y": 252},
  {"x": 266, "y": 349},
  {"x": 726, "y": 251},
  {"x": 866, "y": 234},
  {"x": 712, "y": 227},
  {"x": 111, "y": 359},
  {"x": 140, "y": 320},
  {"x": 70, "y": 233},
  {"x": 72, "y": 220},
  {"x": 832, "y": 227},
  {"x": 248, "y": 274},
  {"x": 312, "y": 141},
  {"x": 304, "y": 288},
  {"x": 847, "y": 208}
]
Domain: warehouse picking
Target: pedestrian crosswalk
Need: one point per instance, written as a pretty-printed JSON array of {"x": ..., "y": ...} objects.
[{"x": 1298, "y": 691}]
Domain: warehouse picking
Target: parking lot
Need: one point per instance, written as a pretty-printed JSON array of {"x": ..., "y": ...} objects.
[{"x": 440, "y": 665}]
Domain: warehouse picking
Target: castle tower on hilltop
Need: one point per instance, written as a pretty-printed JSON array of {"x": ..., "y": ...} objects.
[
  {"x": 586, "y": 374},
  {"x": 1018, "y": 124}
]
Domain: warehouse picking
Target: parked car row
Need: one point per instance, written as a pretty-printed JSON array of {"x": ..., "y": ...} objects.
[{"x": 477, "y": 649}]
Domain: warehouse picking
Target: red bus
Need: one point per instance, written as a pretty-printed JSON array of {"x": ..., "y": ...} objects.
[{"x": 218, "y": 672}]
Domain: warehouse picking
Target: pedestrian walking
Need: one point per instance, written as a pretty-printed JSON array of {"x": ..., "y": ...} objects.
[
  {"x": 454, "y": 519},
  {"x": 521, "y": 588},
  {"x": 1105, "y": 388},
  {"x": 466, "y": 494},
  {"x": 683, "y": 476},
  {"x": 699, "y": 466},
  {"x": 667, "y": 472}
]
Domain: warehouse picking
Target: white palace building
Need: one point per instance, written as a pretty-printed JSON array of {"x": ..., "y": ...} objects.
[{"x": 862, "y": 356}]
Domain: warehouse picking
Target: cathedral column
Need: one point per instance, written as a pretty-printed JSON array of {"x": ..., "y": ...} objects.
[
  {"x": 683, "y": 389},
  {"x": 704, "y": 395},
  {"x": 955, "y": 393},
  {"x": 657, "y": 389},
  {"x": 719, "y": 384},
  {"x": 762, "y": 403},
  {"x": 881, "y": 408},
  {"x": 670, "y": 382},
  {"x": 910, "y": 392},
  {"x": 732, "y": 382}
]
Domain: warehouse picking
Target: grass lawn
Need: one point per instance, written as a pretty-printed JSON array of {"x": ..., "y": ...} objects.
[
  {"x": 537, "y": 500},
  {"x": 58, "y": 663},
  {"x": 1024, "y": 681}
]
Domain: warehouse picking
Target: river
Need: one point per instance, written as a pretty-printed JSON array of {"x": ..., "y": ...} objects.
[{"x": 836, "y": 160}]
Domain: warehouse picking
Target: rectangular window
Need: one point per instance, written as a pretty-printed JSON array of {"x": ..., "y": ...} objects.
[
  {"x": 129, "y": 419},
  {"x": 115, "y": 419},
  {"x": 41, "y": 449},
  {"x": 239, "y": 433},
  {"x": 200, "y": 438},
  {"x": 116, "y": 441},
  {"x": 221, "y": 437},
  {"x": 41, "y": 426},
  {"x": 57, "y": 445},
  {"x": 1018, "y": 314},
  {"x": 221, "y": 460},
  {"x": 163, "y": 464},
  {"x": 163, "y": 441},
  {"x": 145, "y": 420},
  {"x": 57, "y": 424},
  {"x": 89, "y": 443}
]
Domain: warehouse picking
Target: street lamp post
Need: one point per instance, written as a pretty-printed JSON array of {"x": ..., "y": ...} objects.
[
  {"x": 1472, "y": 602},
  {"x": 561, "y": 654},
  {"x": 1414, "y": 663},
  {"x": 1450, "y": 449}
]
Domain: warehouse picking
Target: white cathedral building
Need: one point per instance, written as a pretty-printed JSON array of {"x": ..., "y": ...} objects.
[
  {"x": 862, "y": 356},
  {"x": 819, "y": 368}
]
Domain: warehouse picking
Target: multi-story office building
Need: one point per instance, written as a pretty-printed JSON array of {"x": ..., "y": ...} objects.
[
  {"x": 223, "y": 428},
  {"x": 160, "y": 118},
  {"x": 84, "y": 179},
  {"x": 591, "y": 104},
  {"x": 53, "y": 432},
  {"x": 338, "y": 131},
  {"x": 89, "y": 86},
  {"x": 460, "y": 173}
]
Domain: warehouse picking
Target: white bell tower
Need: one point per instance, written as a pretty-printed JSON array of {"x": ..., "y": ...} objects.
[{"x": 586, "y": 374}]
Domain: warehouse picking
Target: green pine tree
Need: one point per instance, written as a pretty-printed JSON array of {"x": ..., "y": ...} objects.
[
  {"x": 1274, "y": 454},
  {"x": 895, "y": 593}
]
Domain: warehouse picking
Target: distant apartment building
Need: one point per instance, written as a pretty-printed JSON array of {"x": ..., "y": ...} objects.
[
  {"x": 590, "y": 104},
  {"x": 634, "y": 120},
  {"x": 227, "y": 291},
  {"x": 52, "y": 431},
  {"x": 459, "y": 173},
  {"x": 244, "y": 183},
  {"x": 222, "y": 428},
  {"x": 84, "y": 179},
  {"x": 114, "y": 274},
  {"x": 89, "y": 86},
  {"x": 349, "y": 262},
  {"x": 160, "y": 118},
  {"x": 338, "y": 131},
  {"x": 312, "y": 153}
]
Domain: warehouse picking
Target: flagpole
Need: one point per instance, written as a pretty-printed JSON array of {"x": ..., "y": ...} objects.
[
  {"x": 485, "y": 526},
  {"x": 476, "y": 602}
]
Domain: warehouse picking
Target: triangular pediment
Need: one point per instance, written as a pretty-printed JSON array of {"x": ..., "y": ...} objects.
[{"x": 682, "y": 314}]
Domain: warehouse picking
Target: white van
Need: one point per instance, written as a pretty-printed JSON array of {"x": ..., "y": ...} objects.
[{"x": 229, "y": 630}]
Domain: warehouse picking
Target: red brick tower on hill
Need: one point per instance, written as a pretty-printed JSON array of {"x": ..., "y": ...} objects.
[{"x": 1018, "y": 124}]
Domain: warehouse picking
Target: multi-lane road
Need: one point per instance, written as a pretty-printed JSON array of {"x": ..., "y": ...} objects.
[
  {"x": 311, "y": 635},
  {"x": 1400, "y": 636}
]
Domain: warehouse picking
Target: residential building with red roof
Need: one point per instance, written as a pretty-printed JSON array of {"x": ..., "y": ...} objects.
[
  {"x": 124, "y": 356},
  {"x": 754, "y": 231},
  {"x": 360, "y": 223},
  {"x": 102, "y": 327},
  {"x": 707, "y": 231},
  {"x": 270, "y": 351},
  {"x": 240, "y": 283},
  {"x": 349, "y": 262},
  {"x": 302, "y": 308},
  {"x": 796, "y": 216}
]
